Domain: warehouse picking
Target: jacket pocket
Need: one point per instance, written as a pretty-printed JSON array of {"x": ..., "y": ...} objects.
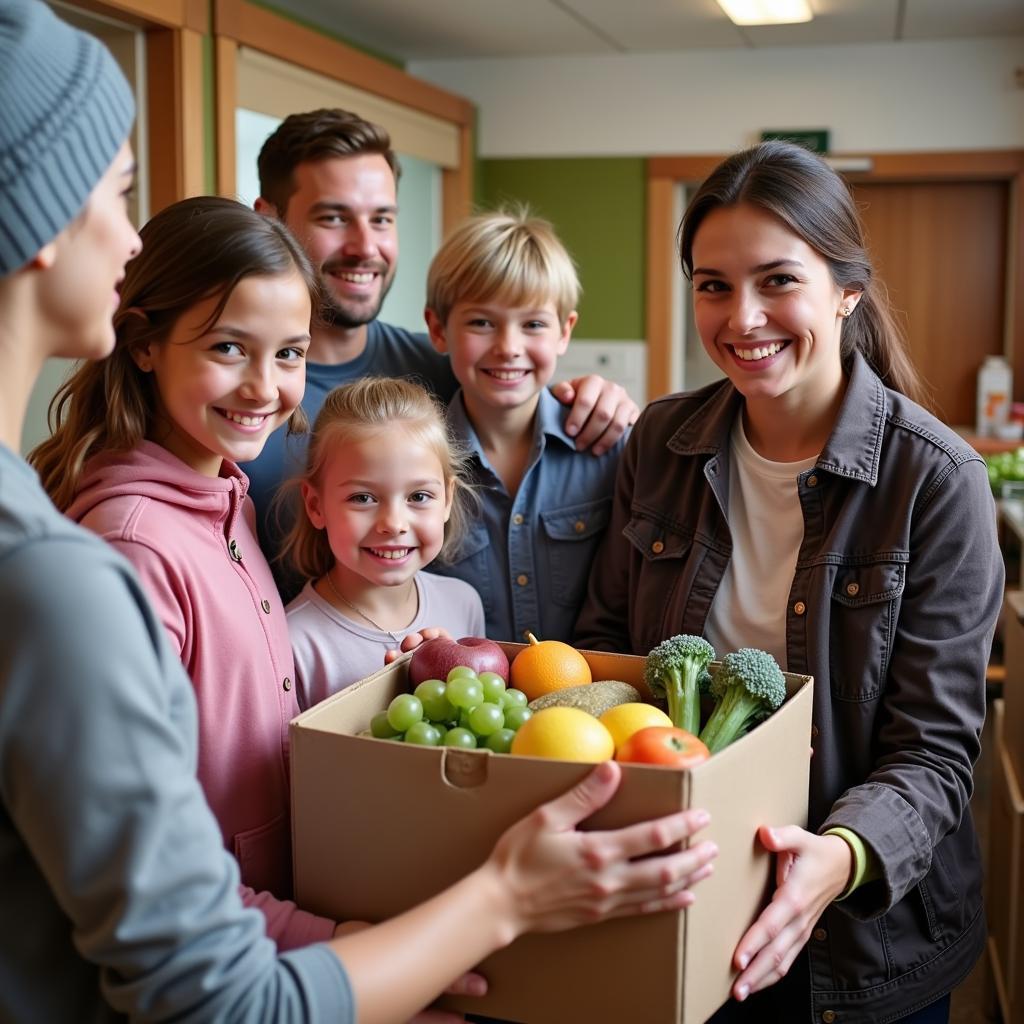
[
  {"x": 865, "y": 604},
  {"x": 571, "y": 535},
  {"x": 654, "y": 540},
  {"x": 662, "y": 578},
  {"x": 264, "y": 856}
]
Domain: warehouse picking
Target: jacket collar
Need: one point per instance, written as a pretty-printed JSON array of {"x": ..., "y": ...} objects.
[
  {"x": 549, "y": 422},
  {"x": 853, "y": 449}
]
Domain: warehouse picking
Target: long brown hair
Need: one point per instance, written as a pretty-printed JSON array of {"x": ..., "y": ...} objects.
[
  {"x": 192, "y": 250},
  {"x": 355, "y": 411},
  {"x": 812, "y": 200}
]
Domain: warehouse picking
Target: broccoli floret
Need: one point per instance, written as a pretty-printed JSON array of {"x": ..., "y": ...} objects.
[
  {"x": 748, "y": 686},
  {"x": 677, "y": 670}
]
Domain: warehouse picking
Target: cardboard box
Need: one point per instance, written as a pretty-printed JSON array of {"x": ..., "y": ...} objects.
[
  {"x": 1013, "y": 684},
  {"x": 1005, "y": 881},
  {"x": 378, "y": 827}
]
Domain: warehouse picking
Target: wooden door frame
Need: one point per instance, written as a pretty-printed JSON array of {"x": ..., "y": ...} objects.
[
  {"x": 240, "y": 23},
  {"x": 666, "y": 173},
  {"x": 174, "y": 31}
]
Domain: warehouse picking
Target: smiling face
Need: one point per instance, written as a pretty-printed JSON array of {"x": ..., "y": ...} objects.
[
  {"x": 222, "y": 388},
  {"x": 501, "y": 356},
  {"x": 344, "y": 212},
  {"x": 766, "y": 307},
  {"x": 383, "y": 499}
]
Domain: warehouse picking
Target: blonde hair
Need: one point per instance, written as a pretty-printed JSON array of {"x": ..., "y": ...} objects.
[
  {"x": 353, "y": 412},
  {"x": 507, "y": 256},
  {"x": 192, "y": 250}
]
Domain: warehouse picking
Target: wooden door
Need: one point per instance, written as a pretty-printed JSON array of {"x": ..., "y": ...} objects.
[{"x": 940, "y": 247}]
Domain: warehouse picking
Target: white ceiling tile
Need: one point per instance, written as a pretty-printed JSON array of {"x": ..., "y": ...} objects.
[
  {"x": 414, "y": 30},
  {"x": 835, "y": 22},
  {"x": 646, "y": 25},
  {"x": 945, "y": 19},
  {"x": 452, "y": 29}
]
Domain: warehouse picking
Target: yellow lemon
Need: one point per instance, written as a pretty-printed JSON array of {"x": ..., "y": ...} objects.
[
  {"x": 544, "y": 666},
  {"x": 625, "y": 719},
  {"x": 567, "y": 734}
]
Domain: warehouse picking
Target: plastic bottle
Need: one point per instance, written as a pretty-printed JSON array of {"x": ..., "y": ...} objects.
[{"x": 995, "y": 392}]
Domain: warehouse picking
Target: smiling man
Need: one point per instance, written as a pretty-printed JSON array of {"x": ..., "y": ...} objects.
[{"x": 332, "y": 177}]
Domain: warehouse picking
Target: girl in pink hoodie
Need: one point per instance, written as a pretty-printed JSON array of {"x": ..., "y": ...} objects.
[{"x": 212, "y": 331}]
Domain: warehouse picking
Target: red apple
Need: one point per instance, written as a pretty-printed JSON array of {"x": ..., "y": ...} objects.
[{"x": 434, "y": 659}]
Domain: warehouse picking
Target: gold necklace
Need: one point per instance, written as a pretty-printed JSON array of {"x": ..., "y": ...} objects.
[{"x": 345, "y": 601}]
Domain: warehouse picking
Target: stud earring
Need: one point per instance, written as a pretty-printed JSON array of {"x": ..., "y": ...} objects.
[{"x": 846, "y": 311}]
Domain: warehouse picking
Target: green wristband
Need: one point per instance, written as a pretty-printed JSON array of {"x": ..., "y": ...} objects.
[{"x": 865, "y": 866}]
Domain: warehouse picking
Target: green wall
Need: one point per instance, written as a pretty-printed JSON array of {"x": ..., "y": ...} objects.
[{"x": 598, "y": 207}]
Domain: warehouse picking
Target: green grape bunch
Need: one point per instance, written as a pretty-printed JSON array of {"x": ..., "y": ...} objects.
[{"x": 465, "y": 710}]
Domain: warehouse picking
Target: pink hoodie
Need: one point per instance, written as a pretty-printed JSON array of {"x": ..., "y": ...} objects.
[{"x": 192, "y": 539}]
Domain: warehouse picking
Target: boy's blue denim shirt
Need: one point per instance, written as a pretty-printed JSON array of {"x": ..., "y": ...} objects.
[{"x": 529, "y": 556}]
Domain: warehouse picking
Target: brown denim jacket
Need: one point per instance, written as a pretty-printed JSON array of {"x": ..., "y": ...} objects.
[{"x": 892, "y": 609}]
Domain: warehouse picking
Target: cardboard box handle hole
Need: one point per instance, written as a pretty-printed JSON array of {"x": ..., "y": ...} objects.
[{"x": 464, "y": 769}]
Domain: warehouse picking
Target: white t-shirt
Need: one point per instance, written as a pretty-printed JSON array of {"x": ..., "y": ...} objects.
[
  {"x": 332, "y": 651},
  {"x": 767, "y": 527}
]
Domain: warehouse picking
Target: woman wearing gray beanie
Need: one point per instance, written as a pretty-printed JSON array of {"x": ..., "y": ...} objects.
[{"x": 118, "y": 897}]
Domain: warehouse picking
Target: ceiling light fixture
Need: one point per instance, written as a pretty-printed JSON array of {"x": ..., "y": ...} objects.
[{"x": 766, "y": 12}]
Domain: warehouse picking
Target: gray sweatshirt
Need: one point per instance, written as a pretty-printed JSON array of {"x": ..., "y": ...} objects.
[{"x": 117, "y": 898}]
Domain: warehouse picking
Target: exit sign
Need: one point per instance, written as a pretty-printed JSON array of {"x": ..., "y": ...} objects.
[{"x": 814, "y": 139}]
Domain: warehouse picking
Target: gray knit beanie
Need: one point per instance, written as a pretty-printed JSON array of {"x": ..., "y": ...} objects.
[{"x": 65, "y": 111}]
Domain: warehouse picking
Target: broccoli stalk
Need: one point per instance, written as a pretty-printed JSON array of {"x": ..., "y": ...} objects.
[
  {"x": 748, "y": 686},
  {"x": 677, "y": 670}
]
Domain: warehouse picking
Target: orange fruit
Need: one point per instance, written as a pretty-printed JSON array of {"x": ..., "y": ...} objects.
[
  {"x": 625, "y": 719},
  {"x": 568, "y": 734},
  {"x": 544, "y": 666}
]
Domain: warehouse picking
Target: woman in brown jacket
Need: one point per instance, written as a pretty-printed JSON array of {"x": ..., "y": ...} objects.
[{"x": 808, "y": 506}]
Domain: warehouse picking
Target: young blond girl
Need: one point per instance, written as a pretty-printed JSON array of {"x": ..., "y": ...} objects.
[{"x": 382, "y": 498}]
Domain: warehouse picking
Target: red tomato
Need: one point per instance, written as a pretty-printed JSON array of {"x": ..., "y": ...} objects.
[{"x": 663, "y": 744}]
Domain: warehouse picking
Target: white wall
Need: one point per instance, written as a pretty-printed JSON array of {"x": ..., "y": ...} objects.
[{"x": 892, "y": 97}]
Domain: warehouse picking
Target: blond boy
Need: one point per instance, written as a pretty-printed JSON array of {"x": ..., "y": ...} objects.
[{"x": 501, "y": 302}]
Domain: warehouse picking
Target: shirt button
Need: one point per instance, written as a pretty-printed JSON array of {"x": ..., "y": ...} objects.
[
  {"x": 814, "y": 732},
  {"x": 820, "y": 934},
  {"x": 518, "y": 519},
  {"x": 853, "y": 589},
  {"x": 287, "y": 684},
  {"x": 812, "y": 481},
  {"x": 579, "y": 526},
  {"x": 265, "y": 605},
  {"x": 234, "y": 550},
  {"x": 828, "y": 1016},
  {"x": 657, "y": 547},
  {"x": 522, "y": 579},
  {"x": 799, "y": 608}
]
